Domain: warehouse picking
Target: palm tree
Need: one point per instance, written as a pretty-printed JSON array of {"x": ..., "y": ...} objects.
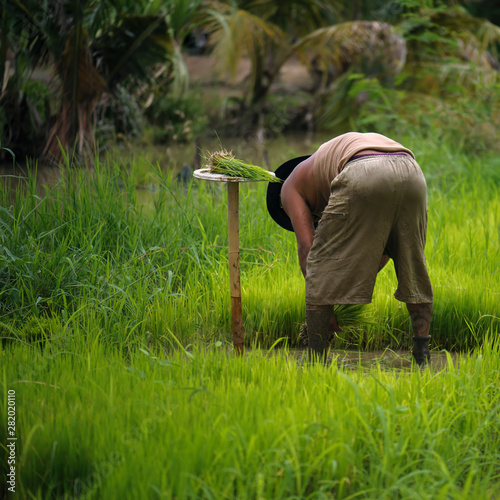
[
  {"x": 92, "y": 46},
  {"x": 268, "y": 33},
  {"x": 334, "y": 44}
]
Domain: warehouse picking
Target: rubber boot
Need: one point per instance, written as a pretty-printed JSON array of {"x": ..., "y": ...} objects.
[
  {"x": 317, "y": 332},
  {"x": 421, "y": 352}
]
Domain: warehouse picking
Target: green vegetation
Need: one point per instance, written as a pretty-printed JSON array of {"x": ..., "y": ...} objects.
[
  {"x": 224, "y": 162},
  {"x": 75, "y": 72},
  {"x": 116, "y": 338},
  {"x": 203, "y": 424},
  {"x": 89, "y": 253},
  {"x": 92, "y": 57},
  {"x": 115, "y": 325}
]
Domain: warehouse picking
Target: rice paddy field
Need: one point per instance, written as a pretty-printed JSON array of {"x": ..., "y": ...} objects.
[{"x": 119, "y": 381}]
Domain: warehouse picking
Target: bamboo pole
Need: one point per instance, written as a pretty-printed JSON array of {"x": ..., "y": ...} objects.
[
  {"x": 233, "y": 247},
  {"x": 234, "y": 264}
]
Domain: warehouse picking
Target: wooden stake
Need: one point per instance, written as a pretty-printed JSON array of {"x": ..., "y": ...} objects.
[{"x": 234, "y": 264}]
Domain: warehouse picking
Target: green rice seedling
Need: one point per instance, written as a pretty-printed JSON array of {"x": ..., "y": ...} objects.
[
  {"x": 201, "y": 423},
  {"x": 223, "y": 162},
  {"x": 137, "y": 393},
  {"x": 92, "y": 255}
]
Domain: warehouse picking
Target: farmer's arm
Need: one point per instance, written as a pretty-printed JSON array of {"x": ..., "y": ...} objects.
[
  {"x": 302, "y": 222},
  {"x": 295, "y": 205}
]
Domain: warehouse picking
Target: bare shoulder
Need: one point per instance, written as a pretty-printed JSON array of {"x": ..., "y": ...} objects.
[{"x": 302, "y": 175}]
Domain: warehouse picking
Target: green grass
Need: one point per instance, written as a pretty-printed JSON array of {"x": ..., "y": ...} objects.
[
  {"x": 93, "y": 423},
  {"x": 115, "y": 326},
  {"x": 91, "y": 252}
]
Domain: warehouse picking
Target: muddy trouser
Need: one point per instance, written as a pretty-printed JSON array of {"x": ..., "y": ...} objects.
[{"x": 377, "y": 206}]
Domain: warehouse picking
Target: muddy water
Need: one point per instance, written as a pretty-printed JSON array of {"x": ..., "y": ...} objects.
[
  {"x": 356, "y": 360},
  {"x": 268, "y": 153}
]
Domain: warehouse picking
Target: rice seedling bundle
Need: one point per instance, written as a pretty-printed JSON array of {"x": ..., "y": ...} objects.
[{"x": 224, "y": 162}]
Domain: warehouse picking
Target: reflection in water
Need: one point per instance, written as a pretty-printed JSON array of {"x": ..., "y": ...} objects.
[{"x": 269, "y": 154}]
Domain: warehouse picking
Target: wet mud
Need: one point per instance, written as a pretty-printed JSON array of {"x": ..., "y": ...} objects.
[{"x": 387, "y": 359}]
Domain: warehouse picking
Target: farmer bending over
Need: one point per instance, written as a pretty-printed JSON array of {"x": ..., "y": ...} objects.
[{"x": 369, "y": 195}]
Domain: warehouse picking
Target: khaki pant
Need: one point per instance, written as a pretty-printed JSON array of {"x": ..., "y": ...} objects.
[{"x": 377, "y": 206}]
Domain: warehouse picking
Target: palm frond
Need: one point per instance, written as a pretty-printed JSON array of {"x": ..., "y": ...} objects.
[
  {"x": 184, "y": 16},
  {"x": 488, "y": 35},
  {"x": 370, "y": 47},
  {"x": 295, "y": 17},
  {"x": 239, "y": 33},
  {"x": 133, "y": 46}
]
